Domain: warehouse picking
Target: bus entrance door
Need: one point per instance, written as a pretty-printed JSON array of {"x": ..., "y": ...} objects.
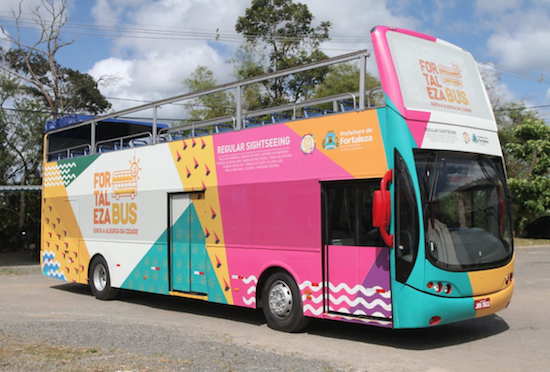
[
  {"x": 187, "y": 247},
  {"x": 357, "y": 261}
]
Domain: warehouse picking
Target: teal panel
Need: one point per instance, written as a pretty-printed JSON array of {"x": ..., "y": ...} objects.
[
  {"x": 151, "y": 273},
  {"x": 199, "y": 255},
  {"x": 192, "y": 270},
  {"x": 180, "y": 252},
  {"x": 402, "y": 140},
  {"x": 70, "y": 169},
  {"x": 460, "y": 282},
  {"x": 414, "y": 309}
]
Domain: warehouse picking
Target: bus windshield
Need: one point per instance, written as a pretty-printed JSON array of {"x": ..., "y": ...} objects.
[{"x": 467, "y": 211}]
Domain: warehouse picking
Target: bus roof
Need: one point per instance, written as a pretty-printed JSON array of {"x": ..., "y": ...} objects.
[{"x": 69, "y": 120}]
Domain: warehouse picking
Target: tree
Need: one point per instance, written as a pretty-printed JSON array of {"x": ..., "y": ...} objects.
[
  {"x": 283, "y": 29},
  {"x": 63, "y": 90},
  {"x": 210, "y": 106},
  {"x": 36, "y": 88},
  {"x": 525, "y": 142},
  {"x": 343, "y": 78},
  {"x": 21, "y": 128}
]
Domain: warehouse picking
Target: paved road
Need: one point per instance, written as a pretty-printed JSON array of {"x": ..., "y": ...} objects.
[{"x": 221, "y": 338}]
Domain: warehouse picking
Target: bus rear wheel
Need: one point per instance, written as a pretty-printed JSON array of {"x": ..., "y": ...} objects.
[
  {"x": 282, "y": 303},
  {"x": 100, "y": 280}
]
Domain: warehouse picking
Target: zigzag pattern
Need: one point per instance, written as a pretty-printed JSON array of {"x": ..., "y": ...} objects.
[
  {"x": 62, "y": 177},
  {"x": 57, "y": 275}
]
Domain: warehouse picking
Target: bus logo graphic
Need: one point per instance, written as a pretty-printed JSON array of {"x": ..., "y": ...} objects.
[
  {"x": 330, "y": 142},
  {"x": 125, "y": 181},
  {"x": 308, "y": 144},
  {"x": 451, "y": 75}
]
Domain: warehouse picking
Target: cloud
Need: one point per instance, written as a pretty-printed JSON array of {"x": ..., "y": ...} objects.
[
  {"x": 500, "y": 6},
  {"x": 522, "y": 49},
  {"x": 166, "y": 40},
  {"x": 499, "y": 93},
  {"x": 519, "y": 33}
]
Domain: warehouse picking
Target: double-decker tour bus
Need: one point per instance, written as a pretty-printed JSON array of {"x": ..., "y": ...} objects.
[{"x": 391, "y": 211}]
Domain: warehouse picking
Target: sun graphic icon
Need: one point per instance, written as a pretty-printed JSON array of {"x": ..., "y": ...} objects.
[{"x": 134, "y": 168}]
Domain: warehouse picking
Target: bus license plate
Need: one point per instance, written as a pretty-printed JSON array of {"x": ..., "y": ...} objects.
[{"x": 484, "y": 303}]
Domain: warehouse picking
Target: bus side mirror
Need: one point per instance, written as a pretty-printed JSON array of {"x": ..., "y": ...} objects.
[{"x": 381, "y": 209}]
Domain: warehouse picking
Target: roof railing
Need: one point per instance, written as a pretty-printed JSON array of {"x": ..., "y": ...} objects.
[{"x": 238, "y": 86}]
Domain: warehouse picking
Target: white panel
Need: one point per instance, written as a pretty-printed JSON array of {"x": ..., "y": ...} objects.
[
  {"x": 446, "y": 137},
  {"x": 440, "y": 78}
]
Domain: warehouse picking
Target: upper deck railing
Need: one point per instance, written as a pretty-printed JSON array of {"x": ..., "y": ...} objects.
[{"x": 242, "y": 119}]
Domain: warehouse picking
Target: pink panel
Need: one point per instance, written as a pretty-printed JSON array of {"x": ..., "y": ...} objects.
[
  {"x": 269, "y": 154},
  {"x": 248, "y": 264},
  {"x": 362, "y": 288},
  {"x": 282, "y": 215}
]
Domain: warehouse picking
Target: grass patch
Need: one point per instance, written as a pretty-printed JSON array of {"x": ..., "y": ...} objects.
[
  {"x": 12, "y": 271},
  {"x": 524, "y": 242}
]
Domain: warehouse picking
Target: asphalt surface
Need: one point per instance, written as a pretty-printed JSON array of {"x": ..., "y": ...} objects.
[{"x": 211, "y": 337}]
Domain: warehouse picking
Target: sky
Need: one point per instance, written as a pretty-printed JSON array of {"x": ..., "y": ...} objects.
[{"x": 142, "y": 50}]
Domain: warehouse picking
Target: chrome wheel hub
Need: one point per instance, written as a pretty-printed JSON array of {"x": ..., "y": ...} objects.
[
  {"x": 280, "y": 299},
  {"x": 100, "y": 277}
]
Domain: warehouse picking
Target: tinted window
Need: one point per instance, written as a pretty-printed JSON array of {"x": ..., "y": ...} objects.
[{"x": 348, "y": 214}]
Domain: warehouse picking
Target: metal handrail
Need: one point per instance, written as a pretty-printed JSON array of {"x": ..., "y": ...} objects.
[
  {"x": 120, "y": 140},
  {"x": 67, "y": 151},
  {"x": 240, "y": 114}
]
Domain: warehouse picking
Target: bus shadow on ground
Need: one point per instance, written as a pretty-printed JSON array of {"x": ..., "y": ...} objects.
[
  {"x": 412, "y": 339},
  {"x": 177, "y": 304}
]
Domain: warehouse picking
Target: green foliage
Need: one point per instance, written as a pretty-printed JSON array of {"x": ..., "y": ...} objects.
[
  {"x": 279, "y": 35},
  {"x": 21, "y": 130},
  {"x": 213, "y": 105},
  {"x": 525, "y": 141},
  {"x": 531, "y": 200},
  {"x": 73, "y": 91},
  {"x": 343, "y": 78}
]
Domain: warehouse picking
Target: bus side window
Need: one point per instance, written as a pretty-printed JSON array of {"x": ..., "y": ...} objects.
[{"x": 406, "y": 219}]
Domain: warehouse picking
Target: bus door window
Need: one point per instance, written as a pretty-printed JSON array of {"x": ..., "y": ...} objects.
[
  {"x": 406, "y": 221},
  {"x": 349, "y": 214}
]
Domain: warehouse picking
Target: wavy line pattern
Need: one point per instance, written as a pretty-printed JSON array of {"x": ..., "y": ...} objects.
[
  {"x": 356, "y": 300},
  {"x": 310, "y": 309},
  {"x": 250, "y": 279},
  {"x": 308, "y": 284},
  {"x": 249, "y": 301},
  {"x": 369, "y": 292},
  {"x": 359, "y": 301}
]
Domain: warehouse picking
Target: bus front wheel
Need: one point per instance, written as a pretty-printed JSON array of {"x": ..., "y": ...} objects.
[
  {"x": 282, "y": 303},
  {"x": 100, "y": 280}
]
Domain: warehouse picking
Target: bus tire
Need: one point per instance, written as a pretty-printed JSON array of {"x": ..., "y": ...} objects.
[
  {"x": 282, "y": 303},
  {"x": 100, "y": 280}
]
